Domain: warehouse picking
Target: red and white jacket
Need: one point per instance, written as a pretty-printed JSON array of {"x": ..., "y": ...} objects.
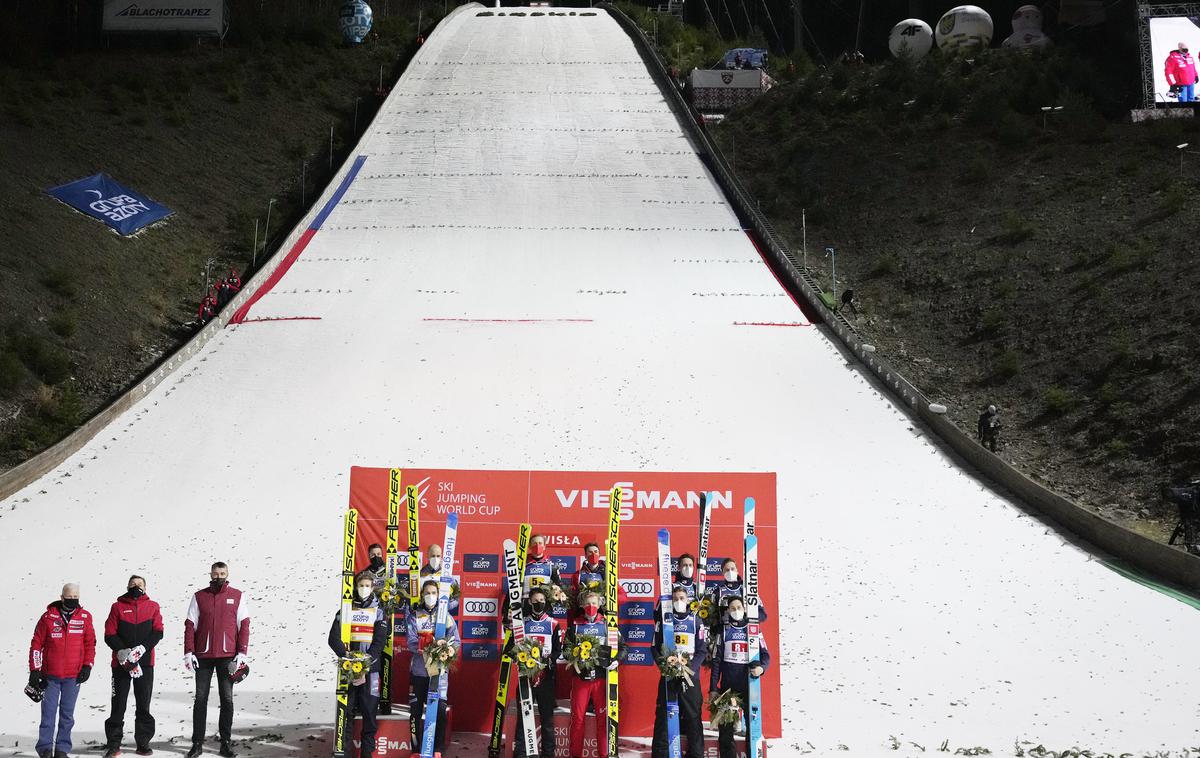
[
  {"x": 1181, "y": 68},
  {"x": 218, "y": 624},
  {"x": 62, "y": 645},
  {"x": 133, "y": 621}
]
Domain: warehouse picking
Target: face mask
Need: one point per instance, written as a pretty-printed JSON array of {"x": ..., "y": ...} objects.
[
  {"x": 136, "y": 591},
  {"x": 686, "y": 572},
  {"x": 680, "y": 606},
  {"x": 737, "y": 615},
  {"x": 591, "y": 609},
  {"x": 430, "y": 601},
  {"x": 539, "y": 551},
  {"x": 538, "y": 608},
  {"x": 71, "y": 603},
  {"x": 377, "y": 561},
  {"x": 435, "y": 564},
  {"x": 593, "y": 559},
  {"x": 365, "y": 592},
  {"x": 217, "y": 584},
  {"x": 731, "y": 575}
]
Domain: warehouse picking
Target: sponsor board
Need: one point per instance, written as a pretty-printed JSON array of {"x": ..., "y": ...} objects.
[
  {"x": 639, "y": 656},
  {"x": 639, "y": 587},
  {"x": 523, "y": 496},
  {"x": 643, "y": 610},
  {"x": 473, "y": 629},
  {"x": 102, "y": 198},
  {"x": 183, "y": 16},
  {"x": 481, "y": 562},
  {"x": 638, "y": 632},
  {"x": 479, "y": 606},
  {"x": 480, "y": 651}
]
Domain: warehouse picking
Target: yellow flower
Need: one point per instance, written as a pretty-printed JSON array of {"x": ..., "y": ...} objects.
[
  {"x": 522, "y": 657},
  {"x": 587, "y": 647},
  {"x": 576, "y": 651},
  {"x": 703, "y": 613},
  {"x": 535, "y": 652}
]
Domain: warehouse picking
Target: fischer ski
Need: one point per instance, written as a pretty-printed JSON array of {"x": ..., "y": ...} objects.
[
  {"x": 389, "y": 645},
  {"x": 414, "y": 546},
  {"x": 437, "y": 693},
  {"x": 666, "y": 611},
  {"x": 755, "y": 735},
  {"x": 496, "y": 743},
  {"x": 341, "y": 731},
  {"x": 611, "y": 617},
  {"x": 516, "y": 622}
]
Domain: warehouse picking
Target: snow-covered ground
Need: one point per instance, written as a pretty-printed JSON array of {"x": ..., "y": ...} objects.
[{"x": 527, "y": 177}]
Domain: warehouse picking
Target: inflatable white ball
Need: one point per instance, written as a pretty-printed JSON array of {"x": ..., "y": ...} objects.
[
  {"x": 911, "y": 38},
  {"x": 965, "y": 27}
]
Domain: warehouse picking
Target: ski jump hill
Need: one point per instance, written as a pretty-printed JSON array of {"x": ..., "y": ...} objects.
[{"x": 524, "y": 266}]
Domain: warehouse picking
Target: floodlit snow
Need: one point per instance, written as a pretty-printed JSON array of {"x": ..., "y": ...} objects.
[{"x": 527, "y": 168}]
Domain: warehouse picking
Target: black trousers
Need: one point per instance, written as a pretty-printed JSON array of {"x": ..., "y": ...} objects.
[
  {"x": 725, "y": 734},
  {"x": 364, "y": 700},
  {"x": 544, "y": 703},
  {"x": 143, "y": 722},
  {"x": 420, "y": 685},
  {"x": 204, "y": 674},
  {"x": 691, "y": 723}
]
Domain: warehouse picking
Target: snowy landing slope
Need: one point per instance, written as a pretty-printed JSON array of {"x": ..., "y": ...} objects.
[{"x": 533, "y": 270}]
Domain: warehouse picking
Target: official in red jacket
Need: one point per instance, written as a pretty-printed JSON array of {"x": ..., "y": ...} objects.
[
  {"x": 216, "y": 637},
  {"x": 133, "y": 628},
  {"x": 60, "y": 659},
  {"x": 1180, "y": 72}
]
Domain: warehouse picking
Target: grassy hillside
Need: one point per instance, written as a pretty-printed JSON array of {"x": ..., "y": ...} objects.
[
  {"x": 1047, "y": 267},
  {"x": 213, "y": 132}
]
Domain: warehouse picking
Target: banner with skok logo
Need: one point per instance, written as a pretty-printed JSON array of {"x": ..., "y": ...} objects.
[
  {"x": 100, "y": 197},
  {"x": 570, "y": 509}
]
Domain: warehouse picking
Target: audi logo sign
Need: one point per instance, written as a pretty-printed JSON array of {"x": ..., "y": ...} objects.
[
  {"x": 638, "y": 587},
  {"x": 480, "y": 606}
]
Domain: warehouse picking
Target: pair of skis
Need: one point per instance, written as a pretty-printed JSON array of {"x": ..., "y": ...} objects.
[
  {"x": 390, "y": 573},
  {"x": 521, "y": 548},
  {"x": 610, "y": 614},
  {"x": 670, "y": 696},
  {"x": 437, "y": 694},
  {"x": 514, "y": 573},
  {"x": 341, "y": 731},
  {"x": 754, "y": 738}
]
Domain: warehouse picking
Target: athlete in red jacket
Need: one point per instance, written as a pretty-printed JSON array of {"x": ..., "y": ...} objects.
[
  {"x": 1181, "y": 73},
  {"x": 133, "y": 628},
  {"x": 61, "y": 655},
  {"x": 216, "y": 637}
]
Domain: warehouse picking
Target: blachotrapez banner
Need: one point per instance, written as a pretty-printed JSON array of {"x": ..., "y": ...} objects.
[
  {"x": 100, "y": 197},
  {"x": 176, "y": 16}
]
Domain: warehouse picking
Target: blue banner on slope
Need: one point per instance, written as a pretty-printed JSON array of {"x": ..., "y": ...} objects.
[{"x": 103, "y": 199}]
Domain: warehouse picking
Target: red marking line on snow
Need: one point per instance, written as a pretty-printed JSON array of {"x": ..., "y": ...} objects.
[
  {"x": 515, "y": 320},
  {"x": 280, "y": 318},
  {"x": 770, "y": 323},
  {"x": 275, "y": 276},
  {"x": 750, "y": 236}
]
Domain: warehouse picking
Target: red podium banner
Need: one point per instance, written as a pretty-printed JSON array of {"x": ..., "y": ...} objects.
[{"x": 570, "y": 508}]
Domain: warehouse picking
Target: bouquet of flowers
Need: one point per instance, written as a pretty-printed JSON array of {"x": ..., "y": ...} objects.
[
  {"x": 354, "y": 667},
  {"x": 706, "y": 612},
  {"x": 677, "y": 666},
  {"x": 439, "y": 655},
  {"x": 726, "y": 709},
  {"x": 393, "y": 595},
  {"x": 585, "y": 654},
  {"x": 528, "y": 654}
]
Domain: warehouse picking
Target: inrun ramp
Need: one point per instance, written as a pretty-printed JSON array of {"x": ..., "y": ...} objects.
[{"x": 532, "y": 269}]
